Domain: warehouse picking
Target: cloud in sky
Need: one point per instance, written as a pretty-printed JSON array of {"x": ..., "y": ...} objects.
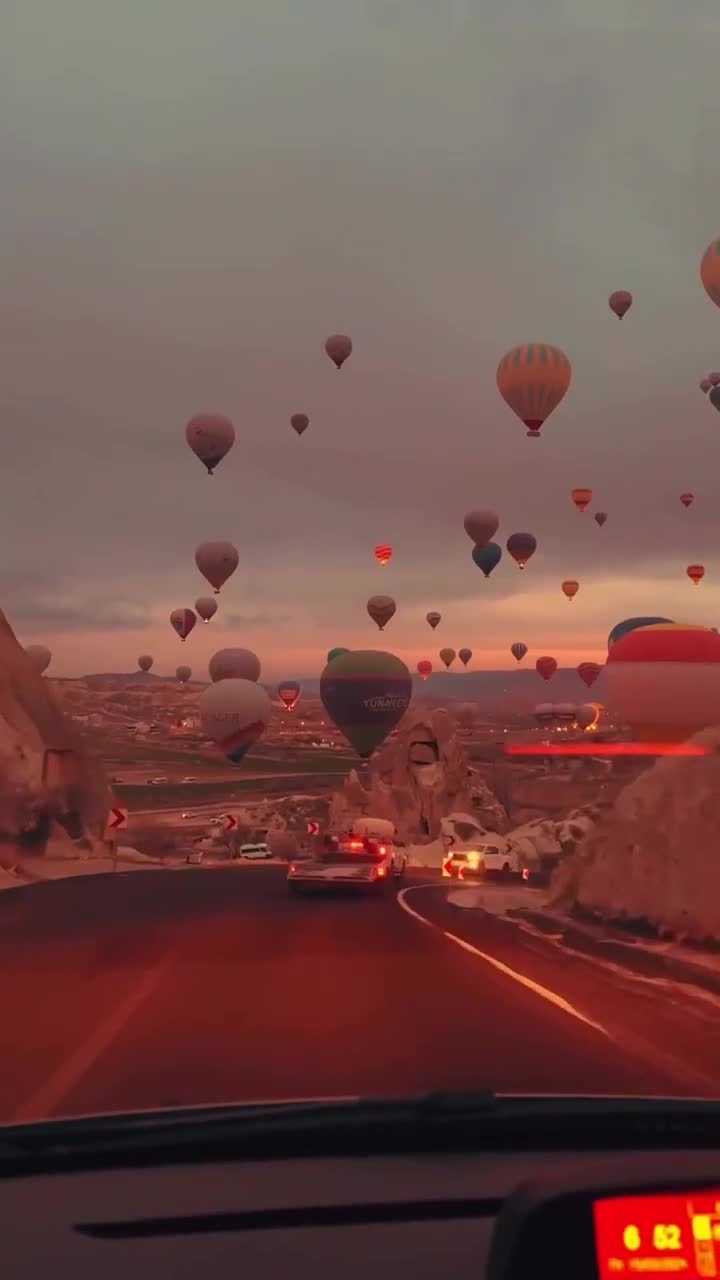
[{"x": 194, "y": 197}]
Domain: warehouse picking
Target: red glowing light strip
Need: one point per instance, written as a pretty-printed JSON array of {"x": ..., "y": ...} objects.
[{"x": 600, "y": 749}]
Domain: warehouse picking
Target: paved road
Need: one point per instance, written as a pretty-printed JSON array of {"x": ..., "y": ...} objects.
[{"x": 192, "y": 986}]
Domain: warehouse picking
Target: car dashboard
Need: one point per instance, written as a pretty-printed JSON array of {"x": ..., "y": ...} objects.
[{"x": 421, "y": 1215}]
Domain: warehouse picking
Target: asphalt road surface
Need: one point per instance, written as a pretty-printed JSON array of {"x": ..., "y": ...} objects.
[{"x": 195, "y": 986}]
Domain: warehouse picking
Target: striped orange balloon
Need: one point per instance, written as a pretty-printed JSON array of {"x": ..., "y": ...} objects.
[
  {"x": 533, "y": 379},
  {"x": 710, "y": 271},
  {"x": 581, "y": 498},
  {"x": 383, "y": 553}
]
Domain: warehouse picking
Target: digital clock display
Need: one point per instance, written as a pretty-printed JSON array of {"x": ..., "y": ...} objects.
[{"x": 653, "y": 1235}]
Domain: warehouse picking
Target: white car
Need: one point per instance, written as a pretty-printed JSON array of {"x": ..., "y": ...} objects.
[
  {"x": 255, "y": 851},
  {"x": 494, "y": 859},
  {"x": 354, "y": 862}
]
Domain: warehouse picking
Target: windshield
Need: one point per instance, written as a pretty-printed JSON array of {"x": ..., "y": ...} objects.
[{"x": 361, "y": 418}]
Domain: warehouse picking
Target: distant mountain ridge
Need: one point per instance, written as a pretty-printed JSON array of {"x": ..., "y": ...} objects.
[{"x": 449, "y": 686}]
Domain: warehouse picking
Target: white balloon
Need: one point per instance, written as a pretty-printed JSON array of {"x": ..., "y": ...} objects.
[
  {"x": 229, "y": 664},
  {"x": 234, "y": 714}
]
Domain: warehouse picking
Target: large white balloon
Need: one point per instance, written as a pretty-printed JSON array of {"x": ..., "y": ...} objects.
[
  {"x": 229, "y": 664},
  {"x": 234, "y": 714}
]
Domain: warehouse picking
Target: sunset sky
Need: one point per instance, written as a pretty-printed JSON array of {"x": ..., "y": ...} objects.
[{"x": 196, "y": 194}]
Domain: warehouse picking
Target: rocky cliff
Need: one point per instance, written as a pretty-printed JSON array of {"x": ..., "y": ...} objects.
[{"x": 50, "y": 788}]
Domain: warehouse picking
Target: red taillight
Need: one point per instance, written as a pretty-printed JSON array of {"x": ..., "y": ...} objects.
[
  {"x": 293, "y": 867},
  {"x": 526, "y": 873},
  {"x": 382, "y": 849},
  {"x": 356, "y": 844}
]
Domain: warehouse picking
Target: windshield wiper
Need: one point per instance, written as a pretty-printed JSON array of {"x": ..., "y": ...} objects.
[{"x": 439, "y": 1119}]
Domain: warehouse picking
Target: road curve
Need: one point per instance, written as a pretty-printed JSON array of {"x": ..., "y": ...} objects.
[{"x": 194, "y": 986}]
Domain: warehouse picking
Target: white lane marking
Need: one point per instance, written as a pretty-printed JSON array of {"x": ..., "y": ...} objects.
[
  {"x": 68, "y": 1075},
  {"x": 544, "y": 992}
]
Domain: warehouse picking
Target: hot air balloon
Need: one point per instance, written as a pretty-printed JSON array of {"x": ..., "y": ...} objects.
[
  {"x": 424, "y": 668},
  {"x": 448, "y": 656},
  {"x": 663, "y": 681},
  {"x": 487, "y": 558},
  {"x": 182, "y": 621},
  {"x": 289, "y": 693},
  {"x": 206, "y": 607},
  {"x": 695, "y": 572},
  {"x": 586, "y": 716},
  {"x": 565, "y": 712},
  {"x": 383, "y": 552},
  {"x": 714, "y": 379},
  {"x": 589, "y": 672},
  {"x": 381, "y": 609},
  {"x": 432, "y": 619},
  {"x": 710, "y": 271},
  {"x": 581, "y": 498},
  {"x": 40, "y": 655},
  {"x": 518, "y": 650},
  {"x": 600, "y": 518},
  {"x": 570, "y": 588},
  {"x": 145, "y": 661},
  {"x": 336, "y": 653},
  {"x": 183, "y": 674},
  {"x": 234, "y": 713},
  {"x": 338, "y": 347},
  {"x": 714, "y": 397},
  {"x": 365, "y": 693},
  {"x": 705, "y": 384},
  {"x": 480, "y": 526},
  {"x": 299, "y": 422},
  {"x": 546, "y": 667},
  {"x": 234, "y": 664},
  {"x": 532, "y": 380},
  {"x": 210, "y": 437},
  {"x": 521, "y": 546},
  {"x": 632, "y": 624},
  {"x": 687, "y": 499},
  {"x": 216, "y": 562},
  {"x": 464, "y": 655},
  {"x": 620, "y": 302}
]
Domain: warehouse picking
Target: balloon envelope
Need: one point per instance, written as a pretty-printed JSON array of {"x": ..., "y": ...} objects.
[
  {"x": 487, "y": 558},
  {"x": 532, "y": 380},
  {"x": 570, "y": 588},
  {"x": 546, "y": 667},
  {"x": 289, "y": 693},
  {"x": 182, "y": 621},
  {"x": 231, "y": 664},
  {"x": 216, "y": 562},
  {"x": 383, "y": 552},
  {"x": 620, "y": 302},
  {"x": 234, "y": 714},
  {"x": 365, "y": 693},
  {"x": 589, "y": 672},
  {"x": 210, "y": 436},
  {"x": 433, "y": 618},
  {"x": 600, "y": 517},
  {"x": 40, "y": 655},
  {"x": 299, "y": 422},
  {"x": 338, "y": 347},
  {"x": 480, "y": 525},
  {"x": 710, "y": 271},
  {"x": 518, "y": 650},
  {"x": 663, "y": 681},
  {"x": 586, "y": 715},
  {"x": 696, "y": 572},
  {"x": 183, "y": 674},
  {"x": 521, "y": 546},
  {"x": 206, "y": 607},
  {"x": 631, "y": 624},
  {"x": 714, "y": 397},
  {"x": 687, "y": 499},
  {"x": 381, "y": 610},
  {"x": 336, "y": 653},
  {"x": 464, "y": 655},
  {"x": 145, "y": 661},
  {"x": 424, "y": 668},
  {"x": 581, "y": 498},
  {"x": 448, "y": 656}
]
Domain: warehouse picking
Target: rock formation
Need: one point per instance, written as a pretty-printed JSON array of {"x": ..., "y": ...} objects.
[
  {"x": 417, "y": 779},
  {"x": 50, "y": 787},
  {"x": 654, "y": 856}
]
